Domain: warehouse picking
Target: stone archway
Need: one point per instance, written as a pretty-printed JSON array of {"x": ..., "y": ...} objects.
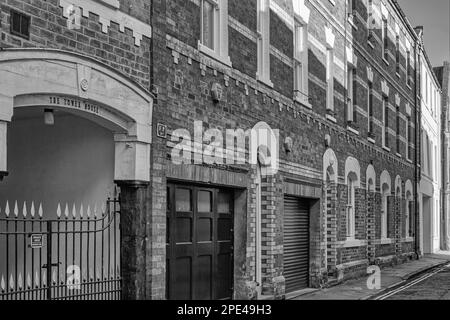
[
  {"x": 59, "y": 80},
  {"x": 65, "y": 80}
]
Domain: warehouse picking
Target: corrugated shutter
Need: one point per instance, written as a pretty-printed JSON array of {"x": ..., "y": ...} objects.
[{"x": 296, "y": 243}]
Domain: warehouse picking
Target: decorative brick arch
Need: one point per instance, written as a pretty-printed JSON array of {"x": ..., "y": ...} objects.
[
  {"x": 371, "y": 177},
  {"x": 408, "y": 189},
  {"x": 352, "y": 167},
  {"x": 385, "y": 180},
  {"x": 330, "y": 165},
  {"x": 83, "y": 86}
]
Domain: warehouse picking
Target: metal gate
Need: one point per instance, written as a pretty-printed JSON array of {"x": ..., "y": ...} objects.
[
  {"x": 296, "y": 243},
  {"x": 75, "y": 256}
]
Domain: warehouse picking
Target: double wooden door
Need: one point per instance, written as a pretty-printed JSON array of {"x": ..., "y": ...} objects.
[{"x": 199, "y": 243}]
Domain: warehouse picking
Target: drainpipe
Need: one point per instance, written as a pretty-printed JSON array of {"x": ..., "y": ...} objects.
[
  {"x": 418, "y": 135},
  {"x": 441, "y": 194}
]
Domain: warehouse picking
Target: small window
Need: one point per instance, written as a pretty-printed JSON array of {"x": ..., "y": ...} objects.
[
  {"x": 183, "y": 200},
  {"x": 213, "y": 39},
  {"x": 370, "y": 123},
  {"x": 208, "y": 27},
  {"x": 397, "y": 131},
  {"x": 385, "y": 122},
  {"x": 204, "y": 201},
  {"x": 408, "y": 67},
  {"x": 384, "y": 37},
  {"x": 20, "y": 24},
  {"x": 397, "y": 55},
  {"x": 409, "y": 138},
  {"x": 330, "y": 80},
  {"x": 351, "y": 96},
  {"x": 301, "y": 63}
]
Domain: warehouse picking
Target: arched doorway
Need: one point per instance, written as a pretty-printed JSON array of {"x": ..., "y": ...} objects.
[{"x": 70, "y": 128}]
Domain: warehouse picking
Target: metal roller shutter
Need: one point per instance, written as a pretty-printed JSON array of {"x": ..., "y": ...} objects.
[{"x": 296, "y": 243}]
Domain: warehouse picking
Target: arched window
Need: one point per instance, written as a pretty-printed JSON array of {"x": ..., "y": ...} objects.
[
  {"x": 351, "y": 185},
  {"x": 352, "y": 180},
  {"x": 330, "y": 166},
  {"x": 409, "y": 212},
  {"x": 370, "y": 178},
  {"x": 385, "y": 182},
  {"x": 384, "y": 211}
]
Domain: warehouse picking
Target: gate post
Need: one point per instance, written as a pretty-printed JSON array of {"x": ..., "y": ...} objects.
[
  {"x": 133, "y": 208},
  {"x": 3, "y": 149}
]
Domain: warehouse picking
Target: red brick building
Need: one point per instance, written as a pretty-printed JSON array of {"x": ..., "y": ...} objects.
[{"x": 337, "y": 79}]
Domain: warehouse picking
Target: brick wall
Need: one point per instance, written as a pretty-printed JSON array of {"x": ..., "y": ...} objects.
[
  {"x": 246, "y": 102},
  {"x": 48, "y": 29}
]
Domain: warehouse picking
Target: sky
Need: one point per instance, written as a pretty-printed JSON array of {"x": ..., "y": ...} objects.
[{"x": 434, "y": 16}]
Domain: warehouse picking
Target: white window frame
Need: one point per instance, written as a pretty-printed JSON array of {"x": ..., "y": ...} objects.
[
  {"x": 369, "y": 98},
  {"x": 408, "y": 66},
  {"x": 350, "y": 5},
  {"x": 330, "y": 39},
  {"x": 219, "y": 51},
  {"x": 263, "y": 42},
  {"x": 408, "y": 136},
  {"x": 384, "y": 34},
  {"x": 350, "y": 104},
  {"x": 301, "y": 70},
  {"x": 330, "y": 79},
  {"x": 385, "y": 106}
]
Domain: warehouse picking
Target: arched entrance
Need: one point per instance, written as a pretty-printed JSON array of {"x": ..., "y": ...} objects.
[{"x": 71, "y": 127}]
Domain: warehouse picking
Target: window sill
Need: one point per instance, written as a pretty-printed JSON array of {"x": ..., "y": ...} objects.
[
  {"x": 211, "y": 53},
  {"x": 386, "y": 241},
  {"x": 371, "y": 140},
  {"x": 353, "y": 130},
  {"x": 352, "y": 243},
  {"x": 265, "y": 81},
  {"x": 370, "y": 44},
  {"x": 398, "y": 75},
  {"x": 409, "y": 160},
  {"x": 303, "y": 101},
  {"x": 386, "y": 149},
  {"x": 408, "y": 239},
  {"x": 331, "y": 118},
  {"x": 398, "y": 155},
  {"x": 112, "y": 3},
  {"x": 385, "y": 61},
  {"x": 408, "y": 86}
]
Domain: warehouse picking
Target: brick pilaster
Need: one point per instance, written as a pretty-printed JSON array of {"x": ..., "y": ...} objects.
[
  {"x": 133, "y": 217},
  {"x": 371, "y": 229},
  {"x": 331, "y": 221}
]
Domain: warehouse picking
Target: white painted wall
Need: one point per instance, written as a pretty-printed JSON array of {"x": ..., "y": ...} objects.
[
  {"x": 71, "y": 162},
  {"x": 431, "y": 173}
]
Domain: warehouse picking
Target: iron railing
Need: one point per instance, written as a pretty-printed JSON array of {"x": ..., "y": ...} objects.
[{"x": 75, "y": 256}]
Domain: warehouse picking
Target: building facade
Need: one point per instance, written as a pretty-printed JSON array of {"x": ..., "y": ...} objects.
[
  {"x": 430, "y": 184},
  {"x": 443, "y": 76},
  {"x": 158, "y": 97}
]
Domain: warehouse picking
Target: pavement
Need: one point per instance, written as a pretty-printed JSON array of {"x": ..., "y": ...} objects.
[{"x": 391, "y": 277}]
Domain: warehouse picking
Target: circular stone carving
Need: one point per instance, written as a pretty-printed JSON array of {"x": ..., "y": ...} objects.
[{"x": 84, "y": 84}]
